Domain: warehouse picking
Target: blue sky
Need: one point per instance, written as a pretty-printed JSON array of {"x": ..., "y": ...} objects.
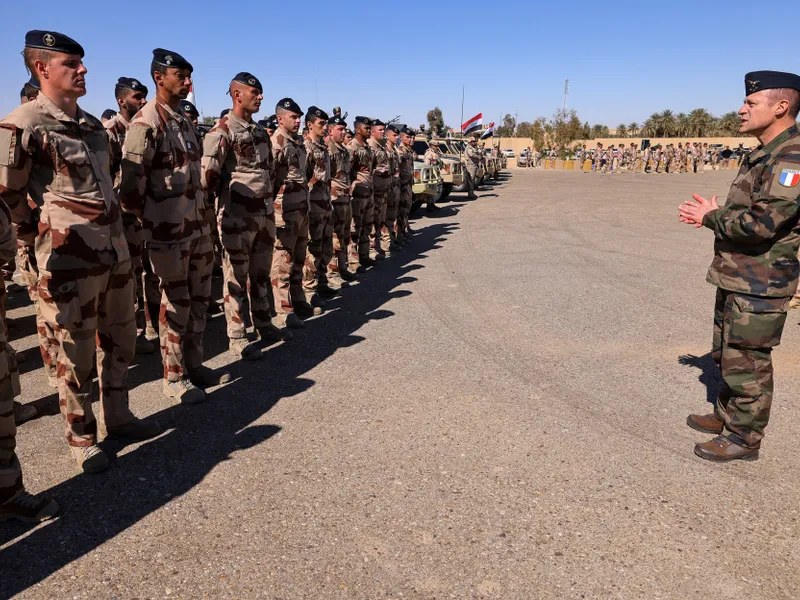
[{"x": 624, "y": 60}]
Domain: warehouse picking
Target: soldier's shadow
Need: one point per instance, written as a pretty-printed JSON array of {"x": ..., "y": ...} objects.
[
  {"x": 709, "y": 373},
  {"x": 197, "y": 438}
]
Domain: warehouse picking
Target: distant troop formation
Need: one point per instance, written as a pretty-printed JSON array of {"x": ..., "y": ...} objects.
[
  {"x": 691, "y": 157},
  {"x": 116, "y": 227}
]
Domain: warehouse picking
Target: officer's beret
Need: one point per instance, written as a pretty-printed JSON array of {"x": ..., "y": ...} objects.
[
  {"x": 224, "y": 112},
  {"x": 406, "y": 130},
  {"x": 337, "y": 120},
  {"x": 249, "y": 79},
  {"x": 264, "y": 123},
  {"x": 377, "y": 123},
  {"x": 167, "y": 58},
  {"x": 767, "y": 80},
  {"x": 288, "y": 104},
  {"x": 313, "y": 111},
  {"x": 108, "y": 114},
  {"x": 394, "y": 128},
  {"x": 363, "y": 120},
  {"x": 53, "y": 41},
  {"x": 188, "y": 109},
  {"x": 272, "y": 121},
  {"x": 349, "y": 131},
  {"x": 132, "y": 84}
]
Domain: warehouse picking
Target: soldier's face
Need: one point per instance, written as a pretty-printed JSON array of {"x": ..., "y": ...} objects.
[
  {"x": 362, "y": 130},
  {"x": 336, "y": 133},
  {"x": 250, "y": 98},
  {"x": 378, "y": 131},
  {"x": 290, "y": 121},
  {"x": 65, "y": 73},
  {"x": 176, "y": 82},
  {"x": 132, "y": 102},
  {"x": 391, "y": 137},
  {"x": 347, "y": 138},
  {"x": 317, "y": 127},
  {"x": 757, "y": 112}
]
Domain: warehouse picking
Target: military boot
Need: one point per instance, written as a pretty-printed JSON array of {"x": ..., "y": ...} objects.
[
  {"x": 722, "y": 449},
  {"x": 347, "y": 276},
  {"x": 316, "y": 301},
  {"x": 24, "y": 412},
  {"x": 143, "y": 345},
  {"x": 137, "y": 429},
  {"x": 203, "y": 376},
  {"x": 705, "y": 423},
  {"x": 304, "y": 310},
  {"x": 242, "y": 348},
  {"x": 327, "y": 290},
  {"x": 270, "y": 333},
  {"x": 292, "y": 321},
  {"x": 90, "y": 458},
  {"x": 184, "y": 391},
  {"x": 29, "y": 508}
]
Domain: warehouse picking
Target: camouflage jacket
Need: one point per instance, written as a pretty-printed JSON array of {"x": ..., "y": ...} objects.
[
  {"x": 431, "y": 158},
  {"x": 406, "y": 166},
  {"x": 161, "y": 176},
  {"x": 757, "y": 232},
  {"x": 45, "y": 169},
  {"x": 394, "y": 164},
  {"x": 318, "y": 171},
  {"x": 360, "y": 169},
  {"x": 381, "y": 177},
  {"x": 291, "y": 185},
  {"x": 238, "y": 168},
  {"x": 116, "y": 127},
  {"x": 472, "y": 158},
  {"x": 340, "y": 172}
]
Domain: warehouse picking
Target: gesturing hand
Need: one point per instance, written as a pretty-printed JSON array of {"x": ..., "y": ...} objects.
[{"x": 693, "y": 211}]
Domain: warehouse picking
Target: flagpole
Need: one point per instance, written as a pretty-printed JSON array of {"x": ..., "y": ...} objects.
[{"x": 462, "y": 119}]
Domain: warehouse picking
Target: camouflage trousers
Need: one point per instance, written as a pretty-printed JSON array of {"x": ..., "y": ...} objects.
[
  {"x": 291, "y": 243},
  {"x": 389, "y": 220},
  {"x": 248, "y": 244},
  {"x": 91, "y": 311},
  {"x": 184, "y": 273},
  {"x": 404, "y": 209},
  {"x": 133, "y": 235},
  {"x": 380, "y": 200},
  {"x": 10, "y": 471},
  {"x": 341, "y": 218},
  {"x": 48, "y": 344},
  {"x": 363, "y": 211},
  {"x": 320, "y": 246},
  {"x": 746, "y": 329}
]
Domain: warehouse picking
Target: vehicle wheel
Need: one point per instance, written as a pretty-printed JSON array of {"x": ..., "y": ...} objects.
[
  {"x": 439, "y": 191},
  {"x": 448, "y": 188}
]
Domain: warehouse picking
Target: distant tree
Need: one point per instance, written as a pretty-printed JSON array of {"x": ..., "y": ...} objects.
[
  {"x": 622, "y": 130},
  {"x": 587, "y": 131},
  {"x": 701, "y": 122},
  {"x": 728, "y": 124},
  {"x": 567, "y": 127},
  {"x": 209, "y": 121},
  {"x": 524, "y": 130},
  {"x": 633, "y": 129},
  {"x": 600, "y": 131},
  {"x": 682, "y": 125},
  {"x": 435, "y": 120},
  {"x": 538, "y": 132},
  {"x": 666, "y": 124},
  {"x": 508, "y": 127}
]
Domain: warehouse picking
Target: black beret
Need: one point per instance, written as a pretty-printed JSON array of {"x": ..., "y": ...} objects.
[
  {"x": 132, "y": 84},
  {"x": 767, "y": 80},
  {"x": 378, "y": 123},
  {"x": 187, "y": 108},
  {"x": 54, "y": 41},
  {"x": 224, "y": 112},
  {"x": 313, "y": 111},
  {"x": 364, "y": 120},
  {"x": 167, "y": 58},
  {"x": 394, "y": 128},
  {"x": 264, "y": 123},
  {"x": 337, "y": 120},
  {"x": 290, "y": 105},
  {"x": 22, "y": 93},
  {"x": 108, "y": 114},
  {"x": 273, "y": 122},
  {"x": 248, "y": 79},
  {"x": 406, "y": 130}
]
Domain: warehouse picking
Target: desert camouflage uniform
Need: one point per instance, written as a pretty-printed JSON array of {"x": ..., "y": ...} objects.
[
  {"x": 10, "y": 471},
  {"x": 756, "y": 268},
  {"x": 388, "y": 235},
  {"x": 291, "y": 220},
  {"x": 238, "y": 169},
  {"x": 147, "y": 295},
  {"x": 360, "y": 199},
  {"x": 320, "y": 221},
  {"x": 85, "y": 281},
  {"x": 161, "y": 185},
  {"x": 406, "y": 168},
  {"x": 472, "y": 159},
  {"x": 381, "y": 188},
  {"x": 340, "y": 204}
]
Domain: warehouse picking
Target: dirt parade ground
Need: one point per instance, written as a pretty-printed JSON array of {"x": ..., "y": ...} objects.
[{"x": 496, "y": 411}]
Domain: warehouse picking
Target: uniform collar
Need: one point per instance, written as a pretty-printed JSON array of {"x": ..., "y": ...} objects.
[
  {"x": 172, "y": 114},
  {"x": 289, "y": 136},
  {"x": 232, "y": 116},
  {"x": 122, "y": 120},
  {"x": 45, "y": 103},
  {"x": 763, "y": 151}
]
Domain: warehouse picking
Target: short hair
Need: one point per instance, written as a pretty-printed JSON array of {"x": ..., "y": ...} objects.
[
  {"x": 791, "y": 95},
  {"x": 279, "y": 110},
  {"x": 31, "y": 55},
  {"x": 119, "y": 91},
  {"x": 28, "y": 91},
  {"x": 157, "y": 68}
]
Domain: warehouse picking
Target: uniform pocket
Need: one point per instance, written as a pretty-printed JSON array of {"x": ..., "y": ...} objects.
[
  {"x": 756, "y": 322},
  {"x": 59, "y": 298},
  {"x": 168, "y": 261}
]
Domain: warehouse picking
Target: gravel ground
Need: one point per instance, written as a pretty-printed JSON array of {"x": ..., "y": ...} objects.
[{"x": 495, "y": 412}]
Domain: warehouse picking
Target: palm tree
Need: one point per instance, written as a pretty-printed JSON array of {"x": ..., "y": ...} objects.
[
  {"x": 666, "y": 124},
  {"x": 700, "y": 122},
  {"x": 633, "y": 129},
  {"x": 622, "y": 130},
  {"x": 728, "y": 124},
  {"x": 682, "y": 124}
]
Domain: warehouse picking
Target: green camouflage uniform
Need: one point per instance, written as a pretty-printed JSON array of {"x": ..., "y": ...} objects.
[{"x": 755, "y": 268}]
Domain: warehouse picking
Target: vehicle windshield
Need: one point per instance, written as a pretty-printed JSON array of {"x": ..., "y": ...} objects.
[{"x": 420, "y": 147}]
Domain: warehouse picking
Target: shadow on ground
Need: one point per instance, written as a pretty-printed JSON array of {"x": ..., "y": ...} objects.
[{"x": 709, "y": 373}]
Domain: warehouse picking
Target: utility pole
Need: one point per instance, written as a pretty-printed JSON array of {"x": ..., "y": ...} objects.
[{"x": 566, "y": 93}]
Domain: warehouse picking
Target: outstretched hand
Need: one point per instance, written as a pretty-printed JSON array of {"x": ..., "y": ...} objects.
[{"x": 692, "y": 211}]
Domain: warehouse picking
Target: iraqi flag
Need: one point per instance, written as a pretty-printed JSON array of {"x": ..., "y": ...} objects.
[
  {"x": 489, "y": 131},
  {"x": 474, "y": 123},
  {"x": 191, "y": 97}
]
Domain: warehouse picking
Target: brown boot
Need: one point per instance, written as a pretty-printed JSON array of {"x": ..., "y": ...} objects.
[
  {"x": 721, "y": 449},
  {"x": 705, "y": 423}
]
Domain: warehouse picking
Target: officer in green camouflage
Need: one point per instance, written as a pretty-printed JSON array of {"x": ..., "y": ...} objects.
[{"x": 755, "y": 266}]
